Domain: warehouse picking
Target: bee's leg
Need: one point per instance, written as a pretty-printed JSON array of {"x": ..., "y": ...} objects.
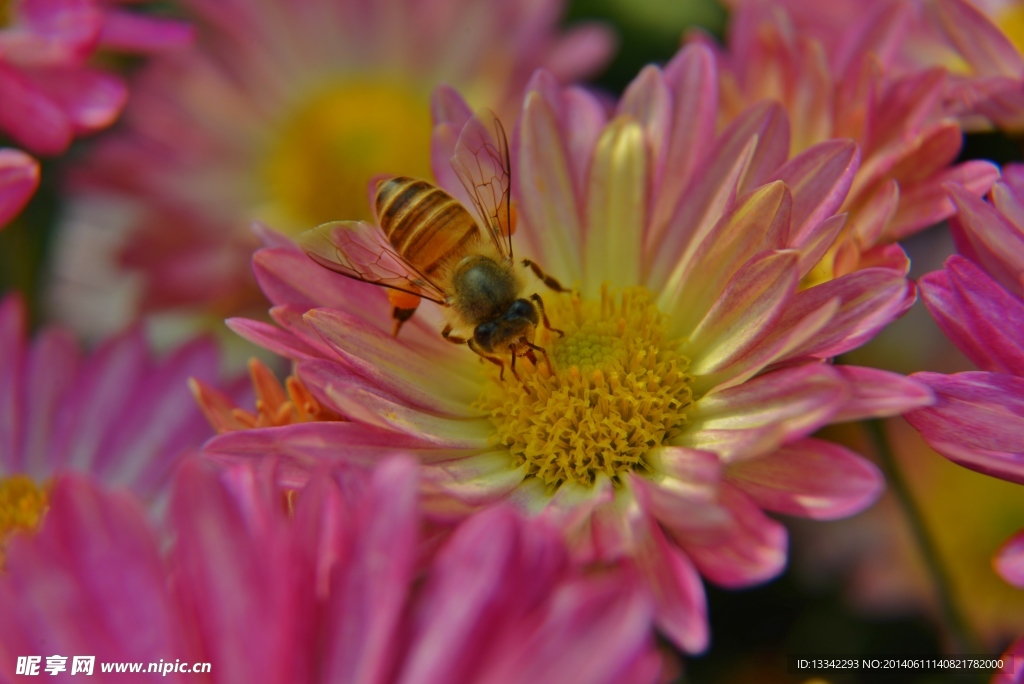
[
  {"x": 404, "y": 305},
  {"x": 545, "y": 278},
  {"x": 492, "y": 359},
  {"x": 400, "y": 316},
  {"x": 544, "y": 316},
  {"x": 512, "y": 348},
  {"x": 533, "y": 347},
  {"x": 454, "y": 339}
]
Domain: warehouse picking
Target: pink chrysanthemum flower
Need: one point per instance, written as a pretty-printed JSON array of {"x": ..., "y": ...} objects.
[
  {"x": 978, "y": 42},
  {"x": 49, "y": 91},
  {"x": 283, "y": 114},
  {"x": 678, "y": 406},
  {"x": 116, "y": 413},
  {"x": 901, "y": 122},
  {"x": 19, "y": 177},
  {"x": 978, "y": 302},
  {"x": 328, "y": 588}
]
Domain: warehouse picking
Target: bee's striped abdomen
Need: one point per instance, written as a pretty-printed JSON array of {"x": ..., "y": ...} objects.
[{"x": 425, "y": 224}]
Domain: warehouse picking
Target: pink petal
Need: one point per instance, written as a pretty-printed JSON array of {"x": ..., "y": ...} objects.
[
  {"x": 90, "y": 582},
  {"x": 985, "y": 48},
  {"x": 818, "y": 241},
  {"x": 810, "y": 478},
  {"x": 19, "y": 177},
  {"x": 475, "y": 480},
  {"x": 400, "y": 367},
  {"x": 998, "y": 245},
  {"x": 233, "y": 544},
  {"x": 743, "y": 158},
  {"x": 1009, "y": 561},
  {"x": 779, "y": 344},
  {"x": 759, "y": 221},
  {"x": 754, "y": 551},
  {"x": 288, "y": 276},
  {"x": 50, "y": 372},
  {"x": 680, "y": 604},
  {"x": 90, "y": 99},
  {"x": 981, "y": 318},
  {"x": 875, "y": 215},
  {"x": 102, "y": 393},
  {"x": 305, "y": 447},
  {"x": 365, "y": 401},
  {"x": 134, "y": 32},
  {"x": 818, "y": 179},
  {"x": 687, "y": 465},
  {"x": 494, "y": 569},
  {"x": 799, "y": 399},
  {"x": 592, "y": 632},
  {"x": 369, "y": 593},
  {"x": 163, "y": 418},
  {"x": 546, "y": 191},
  {"x": 977, "y": 421},
  {"x": 30, "y": 117},
  {"x": 693, "y": 81},
  {"x": 580, "y": 117},
  {"x": 619, "y": 176},
  {"x": 925, "y": 204},
  {"x": 876, "y": 393},
  {"x": 12, "y": 386},
  {"x": 688, "y": 510},
  {"x": 272, "y": 338},
  {"x": 744, "y": 313},
  {"x": 450, "y": 114},
  {"x": 870, "y": 299},
  {"x": 581, "y": 51},
  {"x": 648, "y": 100}
]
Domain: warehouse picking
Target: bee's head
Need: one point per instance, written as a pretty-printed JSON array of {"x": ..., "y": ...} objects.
[{"x": 519, "y": 321}]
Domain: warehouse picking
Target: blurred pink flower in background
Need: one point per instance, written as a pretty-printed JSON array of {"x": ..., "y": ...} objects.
[
  {"x": 977, "y": 42},
  {"x": 978, "y": 301},
  {"x": 117, "y": 413},
  {"x": 19, "y": 177},
  {"x": 846, "y": 86},
  {"x": 283, "y": 113},
  {"x": 679, "y": 404},
  {"x": 50, "y": 91},
  {"x": 329, "y": 584}
]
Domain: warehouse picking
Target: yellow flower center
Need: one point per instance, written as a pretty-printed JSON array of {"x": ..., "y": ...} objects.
[
  {"x": 22, "y": 506},
  {"x": 325, "y": 152},
  {"x": 6, "y": 12},
  {"x": 617, "y": 387},
  {"x": 1011, "y": 21}
]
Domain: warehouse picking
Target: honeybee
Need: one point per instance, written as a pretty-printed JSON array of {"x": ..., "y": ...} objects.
[{"x": 427, "y": 245}]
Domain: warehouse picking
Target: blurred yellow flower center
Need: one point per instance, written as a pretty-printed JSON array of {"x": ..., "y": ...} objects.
[
  {"x": 1011, "y": 22},
  {"x": 617, "y": 388},
  {"x": 22, "y": 506},
  {"x": 320, "y": 161},
  {"x": 6, "y": 13}
]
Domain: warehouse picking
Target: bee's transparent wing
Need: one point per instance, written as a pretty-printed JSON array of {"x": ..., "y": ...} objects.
[
  {"x": 481, "y": 161},
  {"x": 360, "y": 250}
]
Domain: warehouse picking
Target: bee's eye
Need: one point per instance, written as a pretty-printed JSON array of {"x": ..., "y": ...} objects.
[
  {"x": 522, "y": 309},
  {"x": 483, "y": 334}
]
